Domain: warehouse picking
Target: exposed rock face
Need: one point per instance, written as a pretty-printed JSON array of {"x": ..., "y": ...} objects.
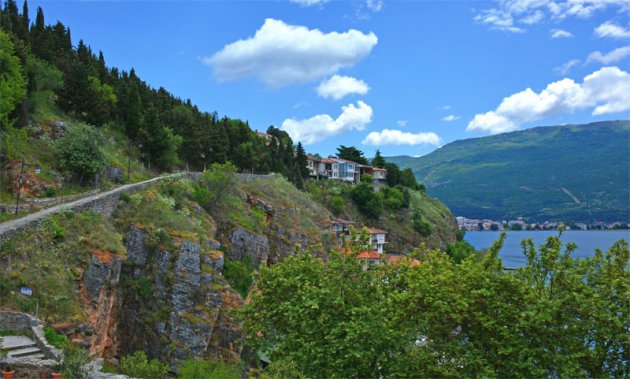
[
  {"x": 100, "y": 302},
  {"x": 174, "y": 303},
  {"x": 247, "y": 244},
  {"x": 114, "y": 173}
]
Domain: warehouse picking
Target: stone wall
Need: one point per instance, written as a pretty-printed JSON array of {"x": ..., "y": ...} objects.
[
  {"x": 25, "y": 323},
  {"x": 104, "y": 203}
]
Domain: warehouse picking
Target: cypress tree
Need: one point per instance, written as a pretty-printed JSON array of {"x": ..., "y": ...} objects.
[
  {"x": 26, "y": 23},
  {"x": 301, "y": 162},
  {"x": 378, "y": 160}
]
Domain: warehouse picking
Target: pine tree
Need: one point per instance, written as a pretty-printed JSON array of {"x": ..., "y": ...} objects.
[
  {"x": 378, "y": 160},
  {"x": 301, "y": 162}
]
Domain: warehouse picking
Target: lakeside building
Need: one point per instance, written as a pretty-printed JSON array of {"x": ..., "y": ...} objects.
[{"x": 343, "y": 169}]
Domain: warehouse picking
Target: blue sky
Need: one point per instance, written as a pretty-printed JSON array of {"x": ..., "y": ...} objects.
[{"x": 402, "y": 76}]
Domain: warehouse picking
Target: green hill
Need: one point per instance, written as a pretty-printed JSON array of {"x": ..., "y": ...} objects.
[{"x": 577, "y": 173}]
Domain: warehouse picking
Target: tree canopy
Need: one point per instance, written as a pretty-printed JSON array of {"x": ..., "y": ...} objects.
[{"x": 557, "y": 316}]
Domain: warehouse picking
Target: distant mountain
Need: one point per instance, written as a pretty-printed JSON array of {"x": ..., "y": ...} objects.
[{"x": 576, "y": 173}]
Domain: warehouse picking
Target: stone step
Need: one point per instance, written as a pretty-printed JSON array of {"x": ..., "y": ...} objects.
[
  {"x": 24, "y": 352},
  {"x": 39, "y": 356},
  {"x": 16, "y": 342}
]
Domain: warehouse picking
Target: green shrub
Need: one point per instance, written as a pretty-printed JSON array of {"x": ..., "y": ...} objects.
[
  {"x": 336, "y": 204},
  {"x": 80, "y": 151},
  {"x": 55, "y": 339},
  {"x": 369, "y": 202},
  {"x": 394, "y": 198},
  {"x": 74, "y": 361},
  {"x": 282, "y": 369},
  {"x": 144, "y": 287},
  {"x": 421, "y": 226},
  {"x": 239, "y": 274},
  {"x": 210, "y": 369},
  {"x": 138, "y": 366}
]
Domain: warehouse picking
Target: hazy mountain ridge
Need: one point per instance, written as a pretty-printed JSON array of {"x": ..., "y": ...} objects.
[{"x": 573, "y": 173}]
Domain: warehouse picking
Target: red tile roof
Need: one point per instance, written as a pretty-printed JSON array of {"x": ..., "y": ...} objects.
[
  {"x": 397, "y": 259},
  {"x": 264, "y": 135},
  {"x": 369, "y": 255}
]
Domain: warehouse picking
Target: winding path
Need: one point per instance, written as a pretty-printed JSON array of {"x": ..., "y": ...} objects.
[{"x": 103, "y": 202}]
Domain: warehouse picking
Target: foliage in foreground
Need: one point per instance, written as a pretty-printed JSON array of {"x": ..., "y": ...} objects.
[
  {"x": 557, "y": 316},
  {"x": 74, "y": 361},
  {"x": 211, "y": 369},
  {"x": 138, "y": 366}
]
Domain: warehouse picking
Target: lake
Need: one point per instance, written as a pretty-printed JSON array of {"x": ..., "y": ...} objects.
[{"x": 587, "y": 242}]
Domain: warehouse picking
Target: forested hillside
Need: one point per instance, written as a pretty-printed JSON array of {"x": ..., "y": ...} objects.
[
  {"x": 574, "y": 173},
  {"x": 47, "y": 80}
]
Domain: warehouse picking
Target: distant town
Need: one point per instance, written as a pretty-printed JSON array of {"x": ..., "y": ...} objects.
[{"x": 473, "y": 224}]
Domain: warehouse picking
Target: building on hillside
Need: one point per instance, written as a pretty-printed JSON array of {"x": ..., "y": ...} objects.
[
  {"x": 377, "y": 239},
  {"x": 343, "y": 169},
  {"x": 265, "y": 136},
  {"x": 341, "y": 227},
  {"x": 348, "y": 170}
]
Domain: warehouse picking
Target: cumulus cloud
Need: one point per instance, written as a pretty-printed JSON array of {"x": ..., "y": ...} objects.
[
  {"x": 515, "y": 15},
  {"x": 564, "y": 68},
  {"x": 322, "y": 126},
  {"x": 397, "y": 137},
  {"x": 611, "y": 30},
  {"x": 559, "y": 33},
  {"x": 450, "y": 118},
  {"x": 280, "y": 54},
  {"x": 614, "y": 56},
  {"x": 339, "y": 86},
  {"x": 605, "y": 91}
]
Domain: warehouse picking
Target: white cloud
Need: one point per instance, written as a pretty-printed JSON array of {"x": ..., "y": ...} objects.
[
  {"x": 514, "y": 15},
  {"x": 322, "y": 126},
  {"x": 374, "y": 5},
  {"x": 612, "y": 30},
  {"x": 533, "y": 18},
  {"x": 605, "y": 91},
  {"x": 446, "y": 107},
  {"x": 565, "y": 68},
  {"x": 339, "y": 86},
  {"x": 450, "y": 118},
  {"x": 280, "y": 54},
  {"x": 498, "y": 19},
  {"x": 559, "y": 33},
  {"x": 308, "y": 3},
  {"x": 614, "y": 56},
  {"x": 397, "y": 137},
  {"x": 402, "y": 123}
]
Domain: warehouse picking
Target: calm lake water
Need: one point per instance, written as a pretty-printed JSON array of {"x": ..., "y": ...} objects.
[{"x": 587, "y": 242}]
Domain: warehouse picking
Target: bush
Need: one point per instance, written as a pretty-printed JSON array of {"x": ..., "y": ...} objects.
[
  {"x": 336, "y": 204},
  {"x": 394, "y": 198},
  {"x": 239, "y": 274},
  {"x": 55, "y": 339},
  {"x": 421, "y": 226},
  {"x": 138, "y": 366},
  {"x": 211, "y": 369},
  {"x": 74, "y": 361},
  {"x": 80, "y": 151},
  {"x": 369, "y": 202},
  {"x": 282, "y": 369}
]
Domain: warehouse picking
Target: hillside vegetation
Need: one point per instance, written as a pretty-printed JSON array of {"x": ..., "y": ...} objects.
[{"x": 576, "y": 173}]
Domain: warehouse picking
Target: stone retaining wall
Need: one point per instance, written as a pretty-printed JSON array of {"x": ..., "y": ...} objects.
[
  {"x": 47, "y": 202},
  {"x": 25, "y": 323},
  {"x": 103, "y": 203}
]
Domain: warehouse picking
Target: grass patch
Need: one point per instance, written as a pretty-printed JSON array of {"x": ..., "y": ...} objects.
[{"x": 55, "y": 339}]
